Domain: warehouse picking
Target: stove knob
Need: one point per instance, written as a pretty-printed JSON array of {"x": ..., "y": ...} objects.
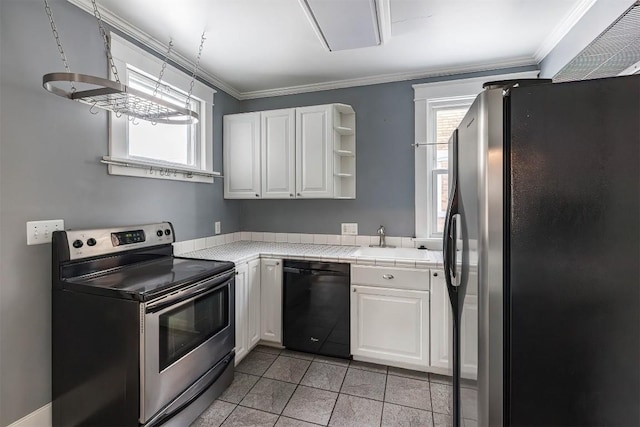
[
  {"x": 91, "y": 242},
  {"x": 77, "y": 244},
  {"x": 159, "y": 233},
  {"x": 167, "y": 232}
]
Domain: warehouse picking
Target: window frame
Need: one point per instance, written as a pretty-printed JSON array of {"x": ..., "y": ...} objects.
[
  {"x": 130, "y": 58},
  {"x": 428, "y": 97}
]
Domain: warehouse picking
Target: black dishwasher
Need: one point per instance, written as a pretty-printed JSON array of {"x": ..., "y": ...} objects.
[{"x": 316, "y": 307}]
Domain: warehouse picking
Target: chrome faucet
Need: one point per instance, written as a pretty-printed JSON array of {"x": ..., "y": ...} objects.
[{"x": 381, "y": 234}]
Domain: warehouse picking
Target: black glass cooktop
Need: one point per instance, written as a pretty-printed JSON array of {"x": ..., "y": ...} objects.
[{"x": 147, "y": 280}]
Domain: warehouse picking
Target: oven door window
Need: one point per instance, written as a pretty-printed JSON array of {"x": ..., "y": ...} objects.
[{"x": 191, "y": 324}]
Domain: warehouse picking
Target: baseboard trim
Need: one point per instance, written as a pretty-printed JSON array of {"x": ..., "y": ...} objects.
[{"x": 39, "y": 418}]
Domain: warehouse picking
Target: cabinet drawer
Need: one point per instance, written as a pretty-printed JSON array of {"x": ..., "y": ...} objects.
[{"x": 398, "y": 278}]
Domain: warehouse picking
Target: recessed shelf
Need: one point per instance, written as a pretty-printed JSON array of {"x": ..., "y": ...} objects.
[
  {"x": 344, "y": 198},
  {"x": 344, "y": 175},
  {"x": 342, "y": 130}
]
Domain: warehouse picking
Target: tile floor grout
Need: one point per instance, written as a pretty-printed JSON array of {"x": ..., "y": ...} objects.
[{"x": 277, "y": 354}]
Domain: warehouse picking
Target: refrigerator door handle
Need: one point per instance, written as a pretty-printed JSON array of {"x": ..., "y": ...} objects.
[{"x": 453, "y": 247}]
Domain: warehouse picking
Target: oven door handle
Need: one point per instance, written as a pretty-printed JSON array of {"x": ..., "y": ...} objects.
[
  {"x": 168, "y": 415},
  {"x": 188, "y": 294}
]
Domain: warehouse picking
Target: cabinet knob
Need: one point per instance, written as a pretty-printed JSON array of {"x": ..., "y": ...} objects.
[
  {"x": 435, "y": 274},
  {"x": 354, "y": 290},
  {"x": 257, "y": 195},
  {"x": 387, "y": 276},
  {"x": 291, "y": 195},
  {"x": 277, "y": 263},
  {"x": 299, "y": 194}
]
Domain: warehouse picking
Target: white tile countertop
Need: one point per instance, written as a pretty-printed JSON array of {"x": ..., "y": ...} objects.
[{"x": 242, "y": 251}]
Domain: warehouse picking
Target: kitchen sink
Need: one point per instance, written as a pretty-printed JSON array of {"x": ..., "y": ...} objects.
[{"x": 402, "y": 253}]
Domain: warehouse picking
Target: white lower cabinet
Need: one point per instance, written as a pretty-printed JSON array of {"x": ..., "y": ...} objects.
[
  {"x": 390, "y": 325},
  {"x": 241, "y": 312},
  {"x": 441, "y": 327},
  {"x": 253, "y": 304},
  {"x": 271, "y": 300},
  {"x": 247, "y": 307}
]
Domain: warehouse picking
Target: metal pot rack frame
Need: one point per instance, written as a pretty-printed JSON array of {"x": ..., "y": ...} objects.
[
  {"x": 119, "y": 99},
  {"x": 115, "y": 96}
]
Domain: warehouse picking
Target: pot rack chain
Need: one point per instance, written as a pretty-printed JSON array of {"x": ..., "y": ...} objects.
[
  {"x": 159, "y": 81},
  {"x": 114, "y": 96},
  {"x": 164, "y": 66},
  {"x": 195, "y": 70},
  {"x": 105, "y": 39},
  {"x": 56, "y": 35}
]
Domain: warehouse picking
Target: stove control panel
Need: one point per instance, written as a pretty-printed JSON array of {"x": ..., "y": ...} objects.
[
  {"x": 128, "y": 237},
  {"x": 97, "y": 242}
]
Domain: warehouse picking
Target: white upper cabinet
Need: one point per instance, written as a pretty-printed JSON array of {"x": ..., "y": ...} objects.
[
  {"x": 241, "y": 147},
  {"x": 278, "y": 154},
  {"x": 306, "y": 152},
  {"x": 314, "y": 152}
]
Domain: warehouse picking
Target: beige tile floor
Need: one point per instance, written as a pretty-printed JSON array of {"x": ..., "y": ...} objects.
[{"x": 285, "y": 388}]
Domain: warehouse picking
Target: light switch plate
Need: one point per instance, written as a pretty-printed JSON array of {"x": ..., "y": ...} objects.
[
  {"x": 39, "y": 232},
  {"x": 217, "y": 227},
  {"x": 349, "y": 228}
]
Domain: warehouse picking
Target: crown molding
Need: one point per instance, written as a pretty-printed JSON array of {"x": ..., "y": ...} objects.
[
  {"x": 388, "y": 78},
  {"x": 563, "y": 28},
  {"x": 154, "y": 44},
  {"x": 159, "y": 48}
]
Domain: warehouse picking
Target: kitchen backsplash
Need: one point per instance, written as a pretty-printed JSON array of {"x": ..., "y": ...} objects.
[{"x": 319, "y": 239}]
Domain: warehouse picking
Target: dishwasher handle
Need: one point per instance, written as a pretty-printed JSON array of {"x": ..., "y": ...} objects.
[{"x": 309, "y": 272}]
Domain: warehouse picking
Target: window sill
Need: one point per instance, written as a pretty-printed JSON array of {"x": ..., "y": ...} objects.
[{"x": 137, "y": 168}]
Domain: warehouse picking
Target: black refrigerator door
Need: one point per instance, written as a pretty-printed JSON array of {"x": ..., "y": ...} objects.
[{"x": 574, "y": 275}]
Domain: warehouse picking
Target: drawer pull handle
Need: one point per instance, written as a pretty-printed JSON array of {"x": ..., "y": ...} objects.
[{"x": 387, "y": 276}]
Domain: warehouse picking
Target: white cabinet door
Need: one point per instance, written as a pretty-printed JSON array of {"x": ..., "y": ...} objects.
[
  {"x": 314, "y": 152},
  {"x": 278, "y": 154},
  {"x": 241, "y": 153},
  {"x": 241, "y": 312},
  {"x": 390, "y": 325},
  {"x": 253, "y": 303},
  {"x": 271, "y": 300},
  {"x": 469, "y": 338},
  {"x": 442, "y": 329}
]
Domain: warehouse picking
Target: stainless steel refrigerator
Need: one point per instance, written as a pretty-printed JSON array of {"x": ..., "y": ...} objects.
[{"x": 545, "y": 207}]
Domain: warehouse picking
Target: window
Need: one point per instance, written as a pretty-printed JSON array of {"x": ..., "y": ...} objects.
[
  {"x": 439, "y": 108},
  {"x": 172, "y": 151},
  {"x": 446, "y": 115}
]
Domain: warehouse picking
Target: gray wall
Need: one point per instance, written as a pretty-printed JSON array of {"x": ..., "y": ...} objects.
[
  {"x": 384, "y": 164},
  {"x": 49, "y": 169}
]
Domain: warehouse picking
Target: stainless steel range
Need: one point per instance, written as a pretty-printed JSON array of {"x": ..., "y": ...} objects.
[{"x": 139, "y": 336}]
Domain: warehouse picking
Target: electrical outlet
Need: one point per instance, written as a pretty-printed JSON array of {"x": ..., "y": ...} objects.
[
  {"x": 39, "y": 232},
  {"x": 349, "y": 228},
  {"x": 217, "y": 226}
]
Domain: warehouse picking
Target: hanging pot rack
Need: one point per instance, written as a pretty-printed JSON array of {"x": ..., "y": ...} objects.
[
  {"x": 115, "y": 96},
  {"x": 118, "y": 98}
]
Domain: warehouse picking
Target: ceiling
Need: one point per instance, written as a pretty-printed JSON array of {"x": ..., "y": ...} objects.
[{"x": 258, "y": 48}]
